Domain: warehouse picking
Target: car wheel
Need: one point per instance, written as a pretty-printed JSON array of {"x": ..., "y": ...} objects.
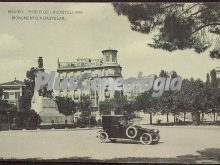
[
  {"x": 131, "y": 132},
  {"x": 146, "y": 138},
  {"x": 103, "y": 137}
]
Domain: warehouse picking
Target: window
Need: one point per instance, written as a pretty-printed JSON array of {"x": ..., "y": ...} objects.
[
  {"x": 107, "y": 93},
  {"x": 92, "y": 93},
  {"x": 11, "y": 102},
  {"x": 107, "y": 58},
  {"x": 17, "y": 95},
  {"x": 6, "y": 95},
  {"x": 75, "y": 95},
  {"x": 117, "y": 72},
  {"x": 76, "y": 119},
  {"x": 106, "y": 72},
  {"x": 114, "y": 58}
]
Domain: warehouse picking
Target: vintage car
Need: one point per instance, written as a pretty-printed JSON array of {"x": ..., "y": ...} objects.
[{"x": 117, "y": 127}]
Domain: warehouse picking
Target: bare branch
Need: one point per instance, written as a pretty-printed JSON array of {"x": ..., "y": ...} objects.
[
  {"x": 203, "y": 26},
  {"x": 189, "y": 9}
]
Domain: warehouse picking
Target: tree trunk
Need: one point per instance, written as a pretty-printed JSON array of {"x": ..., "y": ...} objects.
[
  {"x": 214, "y": 116},
  {"x": 202, "y": 116},
  {"x": 184, "y": 117},
  {"x": 151, "y": 119},
  {"x": 196, "y": 118},
  {"x": 167, "y": 117},
  {"x": 174, "y": 118}
]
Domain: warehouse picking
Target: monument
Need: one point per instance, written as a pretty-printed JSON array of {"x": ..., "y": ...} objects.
[{"x": 47, "y": 107}]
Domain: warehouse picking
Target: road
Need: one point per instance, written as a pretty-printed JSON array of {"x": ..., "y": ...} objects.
[{"x": 192, "y": 144}]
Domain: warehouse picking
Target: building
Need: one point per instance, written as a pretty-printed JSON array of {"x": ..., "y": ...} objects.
[
  {"x": 218, "y": 72},
  {"x": 12, "y": 91},
  {"x": 105, "y": 67}
]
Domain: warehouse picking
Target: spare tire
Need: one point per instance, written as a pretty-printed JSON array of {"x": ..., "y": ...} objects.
[{"x": 131, "y": 132}]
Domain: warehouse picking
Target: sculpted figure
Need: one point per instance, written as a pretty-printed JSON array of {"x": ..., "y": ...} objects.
[{"x": 40, "y": 62}]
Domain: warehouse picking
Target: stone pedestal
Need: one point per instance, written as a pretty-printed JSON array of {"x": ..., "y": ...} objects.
[{"x": 48, "y": 111}]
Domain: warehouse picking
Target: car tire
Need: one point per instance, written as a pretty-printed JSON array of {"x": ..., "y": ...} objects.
[
  {"x": 131, "y": 128},
  {"x": 144, "y": 140},
  {"x": 103, "y": 137}
]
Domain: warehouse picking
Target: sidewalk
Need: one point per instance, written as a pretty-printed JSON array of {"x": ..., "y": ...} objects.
[{"x": 53, "y": 129}]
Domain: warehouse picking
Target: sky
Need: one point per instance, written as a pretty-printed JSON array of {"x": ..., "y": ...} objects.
[{"x": 85, "y": 35}]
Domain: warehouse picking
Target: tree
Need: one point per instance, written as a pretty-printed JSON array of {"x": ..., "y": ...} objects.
[
  {"x": 197, "y": 100},
  {"x": 212, "y": 93},
  {"x": 168, "y": 102},
  {"x": 105, "y": 107},
  {"x": 178, "y": 25},
  {"x": 28, "y": 90},
  {"x": 85, "y": 107},
  {"x": 213, "y": 76},
  {"x": 185, "y": 96},
  {"x": 147, "y": 103},
  {"x": 207, "y": 78},
  {"x": 7, "y": 112},
  {"x": 66, "y": 105},
  {"x": 120, "y": 104},
  {"x": 1, "y": 93},
  {"x": 28, "y": 119}
]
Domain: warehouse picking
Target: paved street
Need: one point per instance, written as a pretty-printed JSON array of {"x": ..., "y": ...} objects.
[{"x": 193, "y": 144}]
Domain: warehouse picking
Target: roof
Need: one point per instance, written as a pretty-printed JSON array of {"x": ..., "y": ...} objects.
[
  {"x": 13, "y": 83},
  {"x": 114, "y": 115},
  {"x": 109, "y": 50}
]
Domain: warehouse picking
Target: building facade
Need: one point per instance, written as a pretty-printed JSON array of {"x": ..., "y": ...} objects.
[
  {"x": 218, "y": 72},
  {"x": 105, "y": 67},
  {"x": 12, "y": 91}
]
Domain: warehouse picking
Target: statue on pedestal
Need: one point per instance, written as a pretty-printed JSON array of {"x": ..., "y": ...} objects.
[
  {"x": 43, "y": 103},
  {"x": 40, "y": 62}
]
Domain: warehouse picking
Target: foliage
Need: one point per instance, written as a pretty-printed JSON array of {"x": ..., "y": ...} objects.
[
  {"x": 7, "y": 112},
  {"x": 195, "y": 97},
  {"x": 28, "y": 119},
  {"x": 66, "y": 105},
  {"x": 105, "y": 107},
  {"x": 119, "y": 105},
  {"x": 28, "y": 90},
  {"x": 85, "y": 107},
  {"x": 1, "y": 93},
  {"x": 178, "y": 25}
]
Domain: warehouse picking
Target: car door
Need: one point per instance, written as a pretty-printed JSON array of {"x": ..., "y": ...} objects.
[{"x": 115, "y": 128}]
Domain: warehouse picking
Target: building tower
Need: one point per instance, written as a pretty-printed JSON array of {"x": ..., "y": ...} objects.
[{"x": 109, "y": 57}]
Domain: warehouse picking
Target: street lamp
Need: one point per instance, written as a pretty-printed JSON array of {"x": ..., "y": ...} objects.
[
  {"x": 8, "y": 119},
  {"x": 89, "y": 121}
]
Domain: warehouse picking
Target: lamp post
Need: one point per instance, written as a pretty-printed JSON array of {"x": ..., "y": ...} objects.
[
  {"x": 8, "y": 119},
  {"x": 89, "y": 121}
]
